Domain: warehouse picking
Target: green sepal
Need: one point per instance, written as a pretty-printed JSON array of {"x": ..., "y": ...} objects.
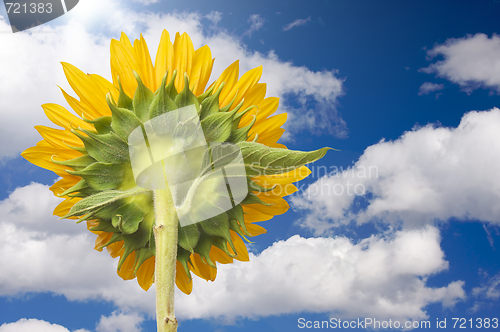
[
  {"x": 237, "y": 220},
  {"x": 240, "y": 134},
  {"x": 217, "y": 126},
  {"x": 104, "y": 226},
  {"x": 260, "y": 159},
  {"x": 205, "y": 94},
  {"x": 186, "y": 97},
  {"x": 218, "y": 226},
  {"x": 106, "y": 148},
  {"x": 77, "y": 163},
  {"x": 124, "y": 120},
  {"x": 228, "y": 106},
  {"x": 188, "y": 237},
  {"x": 183, "y": 256},
  {"x": 124, "y": 101},
  {"x": 137, "y": 240},
  {"x": 84, "y": 192},
  {"x": 80, "y": 149},
  {"x": 101, "y": 176},
  {"x": 145, "y": 253},
  {"x": 222, "y": 245},
  {"x": 254, "y": 199},
  {"x": 203, "y": 248},
  {"x": 210, "y": 105},
  {"x": 82, "y": 184},
  {"x": 102, "y": 124},
  {"x": 127, "y": 218},
  {"x": 170, "y": 88},
  {"x": 239, "y": 115},
  {"x": 142, "y": 99},
  {"x": 100, "y": 200},
  {"x": 162, "y": 103}
]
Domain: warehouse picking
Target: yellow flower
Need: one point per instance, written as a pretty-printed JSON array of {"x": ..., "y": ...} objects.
[{"x": 64, "y": 150}]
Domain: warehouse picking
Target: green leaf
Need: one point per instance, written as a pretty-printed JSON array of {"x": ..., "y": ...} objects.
[
  {"x": 82, "y": 184},
  {"x": 77, "y": 163},
  {"x": 170, "y": 88},
  {"x": 142, "y": 99},
  {"x": 161, "y": 103},
  {"x": 222, "y": 245},
  {"x": 237, "y": 221},
  {"x": 128, "y": 217},
  {"x": 124, "y": 120},
  {"x": 101, "y": 176},
  {"x": 188, "y": 237},
  {"x": 240, "y": 134},
  {"x": 186, "y": 97},
  {"x": 100, "y": 200},
  {"x": 106, "y": 148},
  {"x": 217, "y": 127},
  {"x": 263, "y": 160},
  {"x": 210, "y": 105}
]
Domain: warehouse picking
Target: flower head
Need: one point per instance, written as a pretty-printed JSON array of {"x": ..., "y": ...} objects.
[{"x": 90, "y": 154}]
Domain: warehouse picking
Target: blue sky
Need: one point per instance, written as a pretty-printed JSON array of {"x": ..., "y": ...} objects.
[{"x": 406, "y": 229}]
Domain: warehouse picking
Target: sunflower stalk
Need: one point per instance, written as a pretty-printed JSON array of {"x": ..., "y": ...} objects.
[{"x": 165, "y": 232}]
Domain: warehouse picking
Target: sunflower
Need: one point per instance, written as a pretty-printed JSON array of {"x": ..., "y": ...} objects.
[{"x": 89, "y": 154}]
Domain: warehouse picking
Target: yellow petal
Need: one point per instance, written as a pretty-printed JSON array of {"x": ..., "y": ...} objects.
[
  {"x": 105, "y": 86},
  {"x": 64, "y": 184},
  {"x": 85, "y": 87},
  {"x": 201, "y": 70},
  {"x": 202, "y": 269},
  {"x": 241, "y": 249},
  {"x": 217, "y": 255},
  {"x": 255, "y": 229},
  {"x": 267, "y": 107},
  {"x": 41, "y": 156},
  {"x": 145, "y": 273},
  {"x": 164, "y": 58},
  {"x": 145, "y": 66},
  {"x": 183, "y": 58},
  {"x": 229, "y": 76},
  {"x": 123, "y": 64},
  {"x": 126, "y": 271},
  {"x": 115, "y": 249},
  {"x": 279, "y": 206},
  {"x": 182, "y": 280},
  {"x": 63, "y": 118},
  {"x": 289, "y": 177},
  {"x": 252, "y": 215},
  {"x": 63, "y": 208},
  {"x": 101, "y": 240},
  {"x": 58, "y": 138},
  {"x": 246, "y": 82},
  {"x": 270, "y": 124},
  {"x": 271, "y": 137}
]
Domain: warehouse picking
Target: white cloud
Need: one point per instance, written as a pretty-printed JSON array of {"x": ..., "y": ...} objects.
[
  {"x": 489, "y": 290},
  {"x": 147, "y": 2},
  {"x": 33, "y": 325},
  {"x": 428, "y": 173},
  {"x": 471, "y": 62},
  {"x": 256, "y": 23},
  {"x": 383, "y": 277},
  {"x": 429, "y": 87},
  {"x": 363, "y": 279},
  {"x": 296, "y": 23},
  {"x": 214, "y": 16},
  {"x": 34, "y": 71},
  {"x": 120, "y": 322}
]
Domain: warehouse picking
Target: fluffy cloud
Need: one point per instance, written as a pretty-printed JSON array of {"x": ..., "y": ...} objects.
[
  {"x": 383, "y": 277},
  {"x": 120, "y": 322},
  {"x": 365, "y": 278},
  {"x": 471, "y": 62},
  {"x": 33, "y": 325},
  {"x": 429, "y": 87},
  {"x": 296, "y": 23},
  {"x": 256, "y": 22},
  {"x": 33, "y": 73},
  {"x": 428, "y": 173}
]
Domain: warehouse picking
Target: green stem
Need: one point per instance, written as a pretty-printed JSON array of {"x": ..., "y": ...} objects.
[{"x": 166, "y": 256}]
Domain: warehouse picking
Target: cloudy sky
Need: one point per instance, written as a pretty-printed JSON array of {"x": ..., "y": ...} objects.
[{"x": 402, "y": 223}]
